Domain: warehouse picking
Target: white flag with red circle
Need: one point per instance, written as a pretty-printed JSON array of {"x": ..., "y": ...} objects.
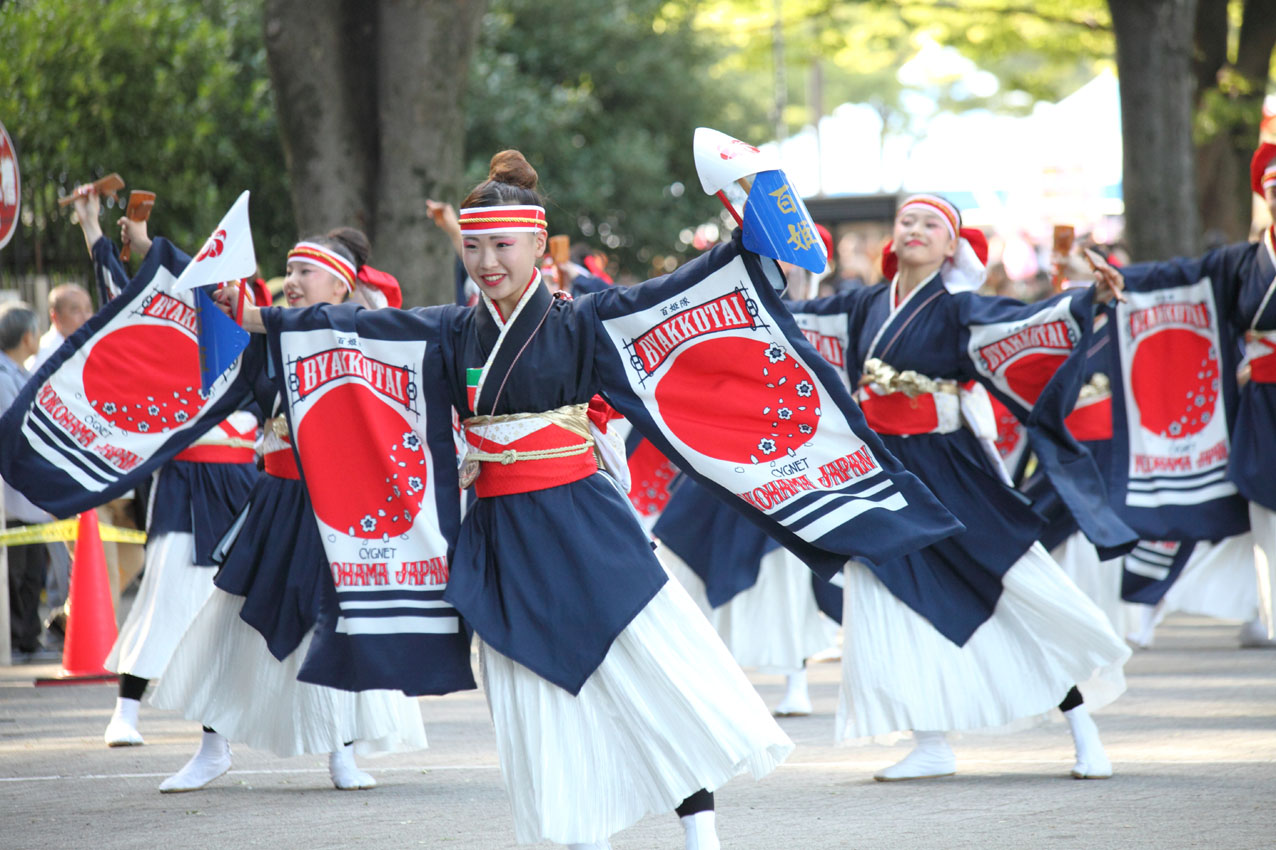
[{"x": 227, "y": 254}]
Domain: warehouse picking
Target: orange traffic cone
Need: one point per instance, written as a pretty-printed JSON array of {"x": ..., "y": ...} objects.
[{"x": 90, "y": 628}]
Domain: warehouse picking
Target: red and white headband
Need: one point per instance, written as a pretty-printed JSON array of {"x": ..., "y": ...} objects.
[
  {"x": 935, "y": 204},
  {"x": 1269, "y": 176},
  {"x": 477, "y": 221},
  {"x": 326, "y": 259},
  {"x": 966, "y": 270}
]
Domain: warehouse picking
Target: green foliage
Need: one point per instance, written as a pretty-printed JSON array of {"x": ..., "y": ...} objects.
[
  {"x": 1038, "y": 51},
  {"x": 603, "y": 100},
  {"x": 172, "y": 94}
]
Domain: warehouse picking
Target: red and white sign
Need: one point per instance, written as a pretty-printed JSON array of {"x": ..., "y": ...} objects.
[
  {"x": 830, "y": 336},
  {"x": 10, "y": 188},
  {"x": 1021, "y": 357},
  {"x": 358, "y": 418},
  {"x": 1177, "y": 422},
  {"x": 737, "y": 401},
  {"x": 127, "y": 389}
]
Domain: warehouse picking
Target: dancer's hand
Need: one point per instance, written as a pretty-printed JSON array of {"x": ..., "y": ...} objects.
[{"x": 1109, "y": 283}]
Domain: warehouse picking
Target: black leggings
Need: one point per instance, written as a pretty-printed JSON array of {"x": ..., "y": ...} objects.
[
  {"x": 701, "y": 801},
  {"x": 132, "y": 687},
  {"x": 1072, "y": 700}
]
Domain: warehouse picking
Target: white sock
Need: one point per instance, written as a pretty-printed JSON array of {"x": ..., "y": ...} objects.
[
  {"x": 121, "y": 731},
  {"x": 345, "y": 774},
  {"x": 797, "y": 696},
  {"x": 701, "y": 831},
  {"x": 596, "y": 845},
  {"x": 1092, "y": 761},
  {"x": 931, "y": 756},
  {"x": 209, "y": 762}
]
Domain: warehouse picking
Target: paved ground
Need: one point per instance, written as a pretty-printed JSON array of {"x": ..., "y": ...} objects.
[{"x": 1194, "y": 743}]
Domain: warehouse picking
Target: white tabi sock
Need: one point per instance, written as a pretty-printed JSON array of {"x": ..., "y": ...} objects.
[
  {"x": 209, "y": 762},
  {"x": 931, "y": 756},
  {"x": 1254, "y": 635},
  {"x": 346, "y": 775},
  {"x": 597, "y": 845},
  {"x": 797, "y": 696},
  {"x": 1092, "y": 761},
  {"x": 702, "y": 832},
  {"x": 121, "y": 731}
]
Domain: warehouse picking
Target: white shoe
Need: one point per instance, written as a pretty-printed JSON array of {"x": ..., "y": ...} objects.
[
  {"x": 797, "y": 697},
  {"x": 346, "y": 775},
  {"x": 931, "y": 757},
  {"x": 1092, "y": 761},
  {"x": 701, "y": 831},
  {"x": 211, "y": 761},
  {"x": 121, "y": 731}
]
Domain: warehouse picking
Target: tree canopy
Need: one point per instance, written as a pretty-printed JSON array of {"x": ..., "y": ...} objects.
[
  {"x": 603, "y": 100},
  {"x": 172, "y": 95}
]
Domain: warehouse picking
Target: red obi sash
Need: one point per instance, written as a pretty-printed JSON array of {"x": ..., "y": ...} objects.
[
  {"x": 216, "y": 454},
  {"x": 282, "y": 464},
  {"x": 1091, "y": 420},
  {"x": 223, "y": 444},
  {"x": 1262, "y": 361},
  {"x": 899, "y": 413},
  {"x": 513, "y": 473}
]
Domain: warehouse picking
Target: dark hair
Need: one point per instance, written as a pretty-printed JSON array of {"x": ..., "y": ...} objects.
[
  {"x": 17, "y": 319},
  {"x": 510, "y": 180},
  {"x": 347, "y": 242}
]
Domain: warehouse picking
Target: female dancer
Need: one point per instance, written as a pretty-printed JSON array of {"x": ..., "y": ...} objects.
[
  {"x": 611, "y": 695},
  {"x": 235, "y": 670},
  {"x": 982, "y": 628},
  {"x": 193, "y": 500}
]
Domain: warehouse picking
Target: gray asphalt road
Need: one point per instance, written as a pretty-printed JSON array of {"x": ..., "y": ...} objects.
[{"x": 1193, "y": 741}]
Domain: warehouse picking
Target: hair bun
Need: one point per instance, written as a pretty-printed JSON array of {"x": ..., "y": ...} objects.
[
  {"x": 512, "y": 168},
  {"x": 355, "y": 241}
]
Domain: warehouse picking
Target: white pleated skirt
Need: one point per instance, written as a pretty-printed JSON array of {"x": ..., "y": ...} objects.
[
  {"x": 772, "y": 627},
  {"x": 172, "y": 591},
  {"x": 668, "y": 712},
  {"x": 899, "y": 673},
  {"x": 1099, "y": 580},
  {"x": 223, "y": 676},
  {"x": 1219, "y": 580},
  {"x": 1262, "y": 522}
]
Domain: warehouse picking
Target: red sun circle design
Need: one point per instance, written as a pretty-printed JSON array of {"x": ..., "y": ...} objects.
[
  {"x": 1175, "y": 381},
  {"x": 1028, "y": 375},
  {"x": 739, "y": 400},
  {"x": 365, "y": 467},
  {"x": 144, "y": 379}
]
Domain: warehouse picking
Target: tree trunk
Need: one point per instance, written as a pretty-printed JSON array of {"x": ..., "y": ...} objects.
[
  {"x": 1154, "y": 62},
  {"x": 369, "y": 103},
  {"x": 424, "y": 49},
  {"x": 1229, "y": 105},
  {"x": 1253, "y": 63},
  {"x": 323, "y": 97}
]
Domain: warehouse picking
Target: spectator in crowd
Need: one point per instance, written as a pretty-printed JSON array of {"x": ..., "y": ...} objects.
[
  {"x": 19, "y": 340},
  {"x": 69, "y": 307}
]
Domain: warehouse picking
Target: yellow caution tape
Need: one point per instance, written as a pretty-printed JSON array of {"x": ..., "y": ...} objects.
[{"x": 66, "y": 529}]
